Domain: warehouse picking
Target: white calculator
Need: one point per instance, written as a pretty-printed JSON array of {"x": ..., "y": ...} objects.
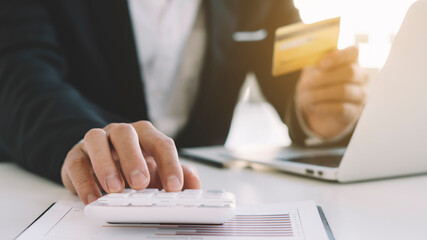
[{"x": 154, "y": 206}]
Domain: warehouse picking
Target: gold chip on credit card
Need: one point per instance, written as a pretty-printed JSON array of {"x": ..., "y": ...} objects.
[{"x": 300, "y": 45}]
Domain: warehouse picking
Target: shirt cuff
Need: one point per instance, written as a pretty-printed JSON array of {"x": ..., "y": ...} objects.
[{"x": 314, "y": 139}]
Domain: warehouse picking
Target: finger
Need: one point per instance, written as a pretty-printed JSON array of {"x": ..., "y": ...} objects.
[
  {"x": 339, "y": 57},
  {"x": 163, "y": 149},
  {"x": 79, "y": 172},
  {"x": 155, "y": 181},
  {"x": 191, "y": 177},
  {"x": 97, "y": 147},
  {"x": 340, "y": 93},
  {"x": 348, "y": 73},
  {"x": 345, "y": 110},
  {"x": 125, "y": 140}
]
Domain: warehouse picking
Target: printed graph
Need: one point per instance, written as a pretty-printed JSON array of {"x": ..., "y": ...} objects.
[{"x": 283, "y": 225}]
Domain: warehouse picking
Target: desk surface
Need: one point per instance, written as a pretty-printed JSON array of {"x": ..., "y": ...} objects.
[{"x": 388, "y": 209}]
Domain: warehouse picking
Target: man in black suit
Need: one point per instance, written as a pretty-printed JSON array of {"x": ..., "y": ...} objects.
[{"x": 74, "y": 85}]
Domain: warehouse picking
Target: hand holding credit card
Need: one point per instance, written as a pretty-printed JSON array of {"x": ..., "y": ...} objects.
[{"x": 300, "y": 45}]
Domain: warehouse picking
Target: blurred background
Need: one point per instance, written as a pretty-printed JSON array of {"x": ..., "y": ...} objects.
[{"x": 369, "y": 24}]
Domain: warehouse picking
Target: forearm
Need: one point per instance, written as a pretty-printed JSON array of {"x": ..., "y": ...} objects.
[{"x": 41, "y": 115}]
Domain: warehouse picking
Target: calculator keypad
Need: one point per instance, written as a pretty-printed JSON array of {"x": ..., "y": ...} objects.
[{"x": 155, "y": 198}]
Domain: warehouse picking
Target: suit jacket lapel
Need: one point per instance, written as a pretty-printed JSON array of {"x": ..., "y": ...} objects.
[
  {"x": 126, "y": 71},
  {"x": 220, "y": 80}
]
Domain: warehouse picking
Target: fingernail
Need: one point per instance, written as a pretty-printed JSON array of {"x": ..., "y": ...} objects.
[
  {"x": 137, "y": 179},
  {"x": 91, "y": 198},
  {"x": 173, "y": 183},
  {"x": 114, "y": 184}
]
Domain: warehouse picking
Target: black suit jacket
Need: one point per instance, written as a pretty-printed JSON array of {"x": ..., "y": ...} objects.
[{"x": 67, "y": 66}]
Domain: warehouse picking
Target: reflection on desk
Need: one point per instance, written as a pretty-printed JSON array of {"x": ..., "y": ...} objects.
[{"x": 387, "y": 209}]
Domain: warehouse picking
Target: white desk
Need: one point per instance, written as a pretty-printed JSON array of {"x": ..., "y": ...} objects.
[{"x": 389, "y": 209}]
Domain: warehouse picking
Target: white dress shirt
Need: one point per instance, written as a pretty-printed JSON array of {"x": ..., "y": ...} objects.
[{"x": 170, "y": 37}]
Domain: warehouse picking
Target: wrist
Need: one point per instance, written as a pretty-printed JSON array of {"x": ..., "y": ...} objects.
[{"x": 321, "y": 129}]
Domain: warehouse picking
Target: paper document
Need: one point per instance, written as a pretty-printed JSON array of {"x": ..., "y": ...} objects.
[{"x": 291, "y": 221}]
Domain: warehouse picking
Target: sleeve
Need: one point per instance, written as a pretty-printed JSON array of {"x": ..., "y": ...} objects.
[
  {"x": 41, "y": 116},
  {"x": 279, "y": 91}
]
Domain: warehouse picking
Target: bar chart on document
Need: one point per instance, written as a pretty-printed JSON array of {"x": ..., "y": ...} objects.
[
  {"x": 297, "y": 221},
  {"x": 285, "y": 225}
]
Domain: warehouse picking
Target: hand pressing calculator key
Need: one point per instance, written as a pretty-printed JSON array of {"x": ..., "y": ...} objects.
[{"x": 154, "y": 206}]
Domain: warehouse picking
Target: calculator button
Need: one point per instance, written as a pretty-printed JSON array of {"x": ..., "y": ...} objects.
[
  {"x": 146, "y": 193},
  {"x": 142, "y": 195},
  {"x": 215, "y": 191},
  {"x": 141, "y": 201},
  {"x": 103, "y": 199},
  {"x": 212, "y": 204},
  {"x": 214, "y": 194},
  {"x": 149, "y": 190},
  {"x": 228, "y": 197},
  {"x": 128, "y": 190},
  {"x": 121, "y": 195},
  {"x": 198, "y": 191},
  {"x": 166, "y": 195},
  {"x": 188, "y": 202},
  {"x": 165, "y": 202},
  {"x": 117, "y": 201},
  {"x": 191, "y": 193}
]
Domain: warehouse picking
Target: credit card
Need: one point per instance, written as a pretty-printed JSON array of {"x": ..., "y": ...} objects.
[{"x": 300, "y": 45}]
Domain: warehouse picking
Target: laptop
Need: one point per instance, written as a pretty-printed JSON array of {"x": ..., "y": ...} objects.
[{"x": 390, "y": 139}]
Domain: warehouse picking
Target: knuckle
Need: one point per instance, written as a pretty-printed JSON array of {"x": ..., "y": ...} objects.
[
  {"x": 93, "y": 133},
  {"x": 110, "y": 126},
  {"x": 350, "y": 71},
  {"x": 346, "y": 91},
  {"x": 120, "y": 129},
  {"x": 347, "y": 110},
  {"x": 75, "y": 162},
  {"x": 144, "y": 124},
  {"x": 169, "y": 141},
  {"x": 192, "y": 169},
  {"x": 163, "y": 143},
  {"x": 81, "y": 183},
  {"x": 344, "y": 109},
  {"x": 335, "y": 57},
  {"x": 151, "y": 163}
]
